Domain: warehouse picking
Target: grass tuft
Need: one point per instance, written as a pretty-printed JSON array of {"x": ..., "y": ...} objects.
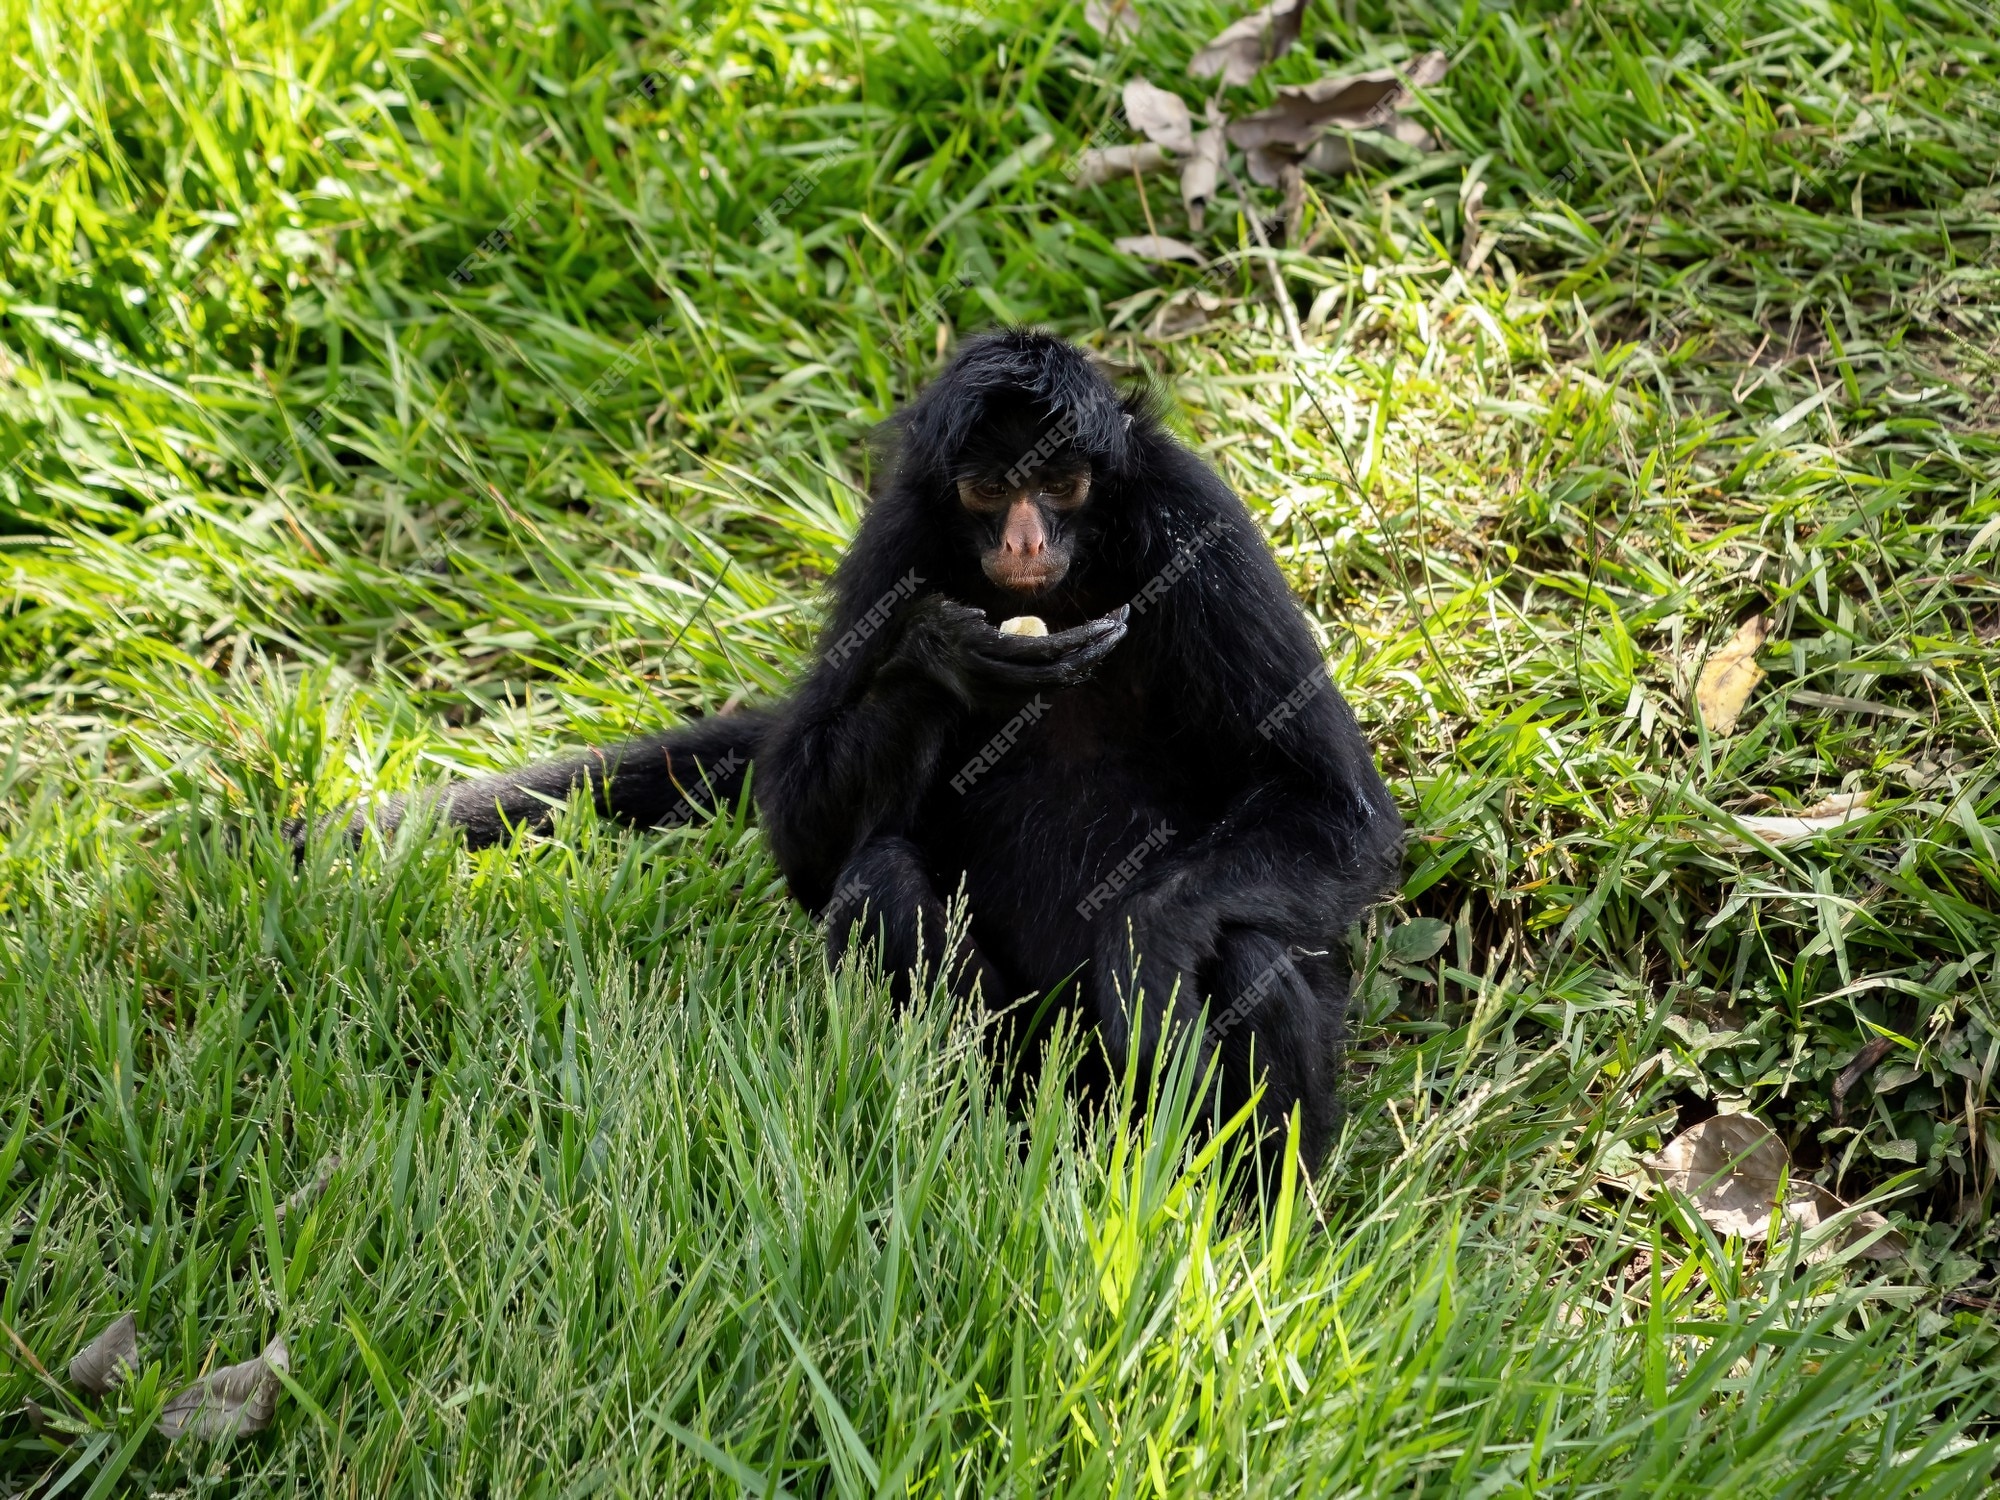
[{"x": 390, "y": 394}]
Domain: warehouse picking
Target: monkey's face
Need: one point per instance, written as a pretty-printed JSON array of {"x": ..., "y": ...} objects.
[{"x": 1024, "y": 523}]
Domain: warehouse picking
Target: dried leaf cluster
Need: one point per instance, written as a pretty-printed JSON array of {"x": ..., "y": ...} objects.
[
  {"x": 234, "y": 1401},
  {"x": 1279, "y": 143},
  {"x": 1736, "y": 1174},
  {"x": 231, "y": 1402}
]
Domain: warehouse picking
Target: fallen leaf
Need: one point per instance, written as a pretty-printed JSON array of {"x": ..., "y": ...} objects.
[
  {"x": 1304, "y": 112},
  {"x": 1428, "y": 70},
  {"x": 1790, "y": 828},
  {"x": 1108, "y": 163},
  {"x": 1892, "y": 1246},
  {"x": 1728, "y": 677},
  {"x": 1862, "y": 1223},
  {"x": 1199, "y": 175},
  {"x": 1269, "y": 164},
  {"x": 1358, "y": 101},
  {"x": 1183, "y": 312},
  {"x": 1114, "y": 20},
  {"x": 1157, "y": 247},
  {"x": 1412, "y": 134},
  {"x": 231, "y": 1402},
  {"x": 110, "y": 1359},
  {"x": 300, "y": 1197},
  {"x": 1729, "y": 1167},
  {"x": 1161, "y": 116},
  {"x": 1238, "y": 51}
]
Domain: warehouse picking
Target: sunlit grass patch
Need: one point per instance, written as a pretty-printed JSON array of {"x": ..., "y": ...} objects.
[{"x": 387, "y": 395}]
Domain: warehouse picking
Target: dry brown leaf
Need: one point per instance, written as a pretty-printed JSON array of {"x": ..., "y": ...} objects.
[
  {"x": 1200, "y": 174},
  {"x": 1304, "y": 112},
  {"x": 1109, "y": 163},
  {"x": 1892, "y": 1246},
  {"x": 1729, "y": 1167},
  {"x": 1824, "y": 1205},
  {"x": 1183, "y": 312},
  {"x": 1238, "y": 51},
  {"x": 1428, "y": 70},
  {"x": 1790, "y": 828},
  {"x": 110, "y": 1359},
  {"x": 1410, "y": 133},
  {"x": 1157, "y": 247},
  {"x": 1114, "y": 20},
  {"x": 1268, "y": 165},
  {"x": 1358, "y": 101},
  {"x": 1332, "y": 154},
  {"x": 1162, "y": 117},
  {"x": 1729, "y": 676},
  {"x": 231, "y": 1402}
]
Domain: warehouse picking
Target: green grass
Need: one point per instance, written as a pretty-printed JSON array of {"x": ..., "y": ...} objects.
[{"x": 635, "y": 1197}]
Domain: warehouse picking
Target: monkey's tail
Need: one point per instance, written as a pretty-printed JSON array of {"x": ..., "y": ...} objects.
[{"x": 656, "y": 782}]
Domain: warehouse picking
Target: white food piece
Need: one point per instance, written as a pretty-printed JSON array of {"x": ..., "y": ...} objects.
[{"x": 1024, "y": 625}]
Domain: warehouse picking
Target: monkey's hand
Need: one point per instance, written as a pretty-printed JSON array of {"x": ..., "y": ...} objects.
[{"x": 953, "y": 646}]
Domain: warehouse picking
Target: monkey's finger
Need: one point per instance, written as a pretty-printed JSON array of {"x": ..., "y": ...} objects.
[
  {"x": 1087, "y": 643},
  {"x": 1064, "y": 671},
  {"x": 1047, "y": 648},
  {"x": 1081, "y": 664},
  {"x": 1085, "y": 654},
  {"x": 1012, "y": 676}
]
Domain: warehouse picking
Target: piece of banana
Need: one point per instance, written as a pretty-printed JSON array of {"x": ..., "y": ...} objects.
[{"x": 1024, "y": 625}]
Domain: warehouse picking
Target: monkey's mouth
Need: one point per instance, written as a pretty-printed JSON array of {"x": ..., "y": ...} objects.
[{"x": 1027, "y": 577}]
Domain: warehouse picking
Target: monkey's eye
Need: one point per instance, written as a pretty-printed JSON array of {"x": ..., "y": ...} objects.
[
  {"x": 1069, "y": 491},
  {"x": 984, "y": 494}
]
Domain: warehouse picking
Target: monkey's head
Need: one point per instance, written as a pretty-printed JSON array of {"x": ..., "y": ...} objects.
[{"x": 1010, "y": 444}]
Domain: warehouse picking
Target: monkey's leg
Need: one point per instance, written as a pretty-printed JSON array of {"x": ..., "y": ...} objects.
[
  {"x": 1274, "y": 1024},
  {"x": 884, "y": 898}
]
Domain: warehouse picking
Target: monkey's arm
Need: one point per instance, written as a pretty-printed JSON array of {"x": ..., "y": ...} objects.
[
  {"x": 840, "y": 773},
  {"x": 858, "y": 747}
]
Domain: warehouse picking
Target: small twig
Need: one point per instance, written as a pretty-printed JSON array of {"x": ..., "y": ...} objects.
[{"x": 1139, "y": 181}]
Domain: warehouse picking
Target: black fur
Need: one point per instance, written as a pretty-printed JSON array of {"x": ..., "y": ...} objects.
[
  {"x": 656, "y": 782},
  {"x": 1173, "y": 802}
]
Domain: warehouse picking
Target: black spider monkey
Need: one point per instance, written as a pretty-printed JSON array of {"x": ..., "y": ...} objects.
[{"x": 1163, "y": 805}]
